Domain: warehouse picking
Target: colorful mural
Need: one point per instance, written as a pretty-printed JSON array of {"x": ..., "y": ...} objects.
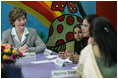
[
  {"x": 40, "y": 15},
  {"x": 61, "y": 31},
  {"x": 62, "y": 27},
  {"x": 54, "y": 20}
]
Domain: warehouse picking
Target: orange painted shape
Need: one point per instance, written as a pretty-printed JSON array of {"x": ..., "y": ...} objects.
[{"x": 37, "y": 6}]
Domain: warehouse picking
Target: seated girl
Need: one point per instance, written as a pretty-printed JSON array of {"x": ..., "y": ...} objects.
[{"x": 75, "y": 46}]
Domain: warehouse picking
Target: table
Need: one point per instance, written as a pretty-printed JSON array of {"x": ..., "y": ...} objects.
[{"x": 30, "y": 70}]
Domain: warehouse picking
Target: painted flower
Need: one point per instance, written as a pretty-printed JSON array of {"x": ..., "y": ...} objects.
[
  {"x": 5, "y": 57},
  {"x": 60, "y": 5}
]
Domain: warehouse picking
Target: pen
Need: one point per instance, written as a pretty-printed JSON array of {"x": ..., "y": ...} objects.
[{"x": 67, "y": 51}]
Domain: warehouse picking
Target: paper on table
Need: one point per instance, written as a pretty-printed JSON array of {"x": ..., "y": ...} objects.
[
  {"x": 26, "y": 55},
  {"x": 59, "y": 61},
  {"x": 67, "y": 60},
  {"x": 51, "y": 56},
  {"x": 75, "y": 68},
  {"x": 32, "y": 55},
  {"x": 39, "y": 62},
  {"x": 48, "y": 52},
  {"x": 63, "y": 73}
]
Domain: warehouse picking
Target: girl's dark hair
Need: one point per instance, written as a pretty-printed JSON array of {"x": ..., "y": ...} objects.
[
  {"x": 90, "y": 17},
  {"x": 77, "y": 26},
  {"x": 105, "y": 36},
  {"x": 79, "y": 45}
]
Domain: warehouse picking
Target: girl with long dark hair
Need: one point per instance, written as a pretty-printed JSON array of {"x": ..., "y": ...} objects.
[
  {"x": 79, "y": 43},
  {"x": 99, "y": 59}
]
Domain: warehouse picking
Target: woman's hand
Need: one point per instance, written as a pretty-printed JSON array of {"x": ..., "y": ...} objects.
[
  {"x": 9, "y": 46},
  {"x": 79, "y": 76},
  {"x": 64, "y": 55},
  {"x": 74, "y": 58},
  {"x": 61, "y": 55},
  {"x": 23, "y": 49}
]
